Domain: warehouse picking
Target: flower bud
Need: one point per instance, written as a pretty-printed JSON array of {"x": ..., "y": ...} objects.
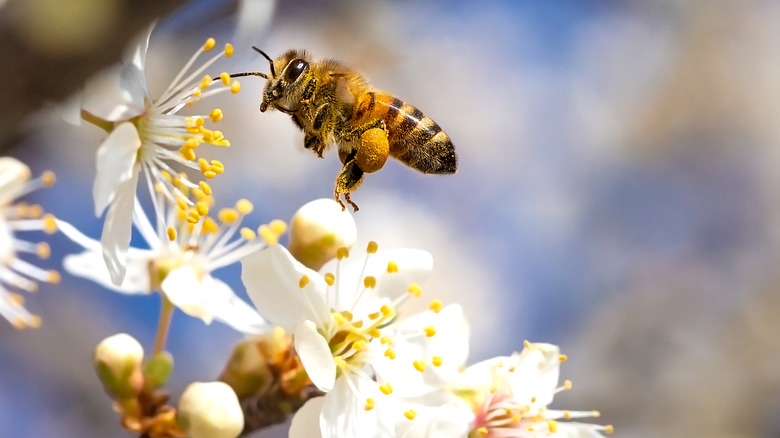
[
  {"x": 247, "y": 369},
  {"x": 157, "y": 370},
  {"x": 117, "y": 360},
  {"x": 210, "y": 410},
  {"x": 318, "y": 229}
]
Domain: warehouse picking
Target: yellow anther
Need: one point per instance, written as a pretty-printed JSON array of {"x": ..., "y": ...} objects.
[
  {"x": 429, "y": 331},
  {"x": 375, "y": 333},
  {"x": 552, "y": 425},
  {"x": 562, "y": 358},
  {"x": 191, "y": 143},
  {"x": 235, "y": 86},
  {"x": 244, "y": 206},
  {"x": 340, "y": 320},
  {"x": 386, "y": 388},
  {"x": 566, "y": 415},
  {"x": 18, "y": 323},
  {"x": 216, "y": 115},
  {"x": 171, "y": 234},
  {"x": 205, "y": 187},
  {"x": 43, "y": 250},
  {"x": 369, "y": 282},
  {"x": 206, "y": 81},
  {"x": 342, "y": 253},
  {"x": 225, "y": 78},
  {"x": 493, "y": 389},
  {"x": 228, "y": 50},
  {"x": 387, "y": 311},
  {"x": 278, "y": 226},
  {"x": 526, "y": 344},
  {"x": 218, "y": 137},
  {"x": 34, "y": 211},
  {"x": 359, "y": 345},
  {"x": 49, "y": 224},
  {"x": 390, "y": 353},
  {"x": 202, "y": 208},
  {"x": 53, "y": 277},
  {"x": 375, "y": 315},
  {"x": 269, "y": 236},
  {"x": 209, "y": 225},
  {"x": 435, "y": 305},
  {"x": 437, "y": 361},
  {"x": 35, "y": 322},
  {"x": 415, "y": 289},
  {"x": 516, "y": 418},
  {"x": 248, "y": 234},
  {"x": 193, "y": 220},
  {"x": 228, "y": 215},
  {"x": 15, "y": 299},
  {"x": 482, "y": 431},
  {"x": 199, "y": 122},
  {"x": 330, "y": 279},
  {"x": 392, "y": 267},
  {"x": 410, "y": 414},
  {"x": 372, "y": 247},
  {"x": 210, "y": 43},
  {"x": 567, "y": 384},
  {"x": 193, "y": 213},
  {"x": 48, "y": 178},
  {"x": 595, "y": 414},
  {"x": 369, "y": 404},
  {"x": 193, "y": 130},
  {"x": 182, "y": 214},
  {"x": 533, "y": 399},
  {"x": 208, "y": 136},
  {"x": 204, "y": 165},
  {"x": 419, "y": 365},
  {"x": 386, "y": 340},
  {"x": 348, "y": 315},
  {"x": 303, "y": 281},
  {"x": 187, "y": 154},
  {"x": 340, "y": 362},
  {"x": 608, "y": 429},
  {"x": 357, "y": 324},
  {"x": 196, "y": 92},
  {"x": 217, "y": 165}
]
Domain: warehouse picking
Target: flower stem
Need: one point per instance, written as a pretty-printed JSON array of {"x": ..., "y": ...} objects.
[
  {"x": 166, "y": 311},
  {"x": 97, "y": 121}
]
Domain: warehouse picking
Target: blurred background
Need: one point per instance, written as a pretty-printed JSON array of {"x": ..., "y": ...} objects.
[{"x": 618, "y": 194}]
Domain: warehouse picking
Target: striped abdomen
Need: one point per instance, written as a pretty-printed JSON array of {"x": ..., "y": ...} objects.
[{"x": 414, "y": 138}]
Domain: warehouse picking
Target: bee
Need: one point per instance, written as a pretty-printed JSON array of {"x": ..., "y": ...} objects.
[{"x": 333, "y": 104}]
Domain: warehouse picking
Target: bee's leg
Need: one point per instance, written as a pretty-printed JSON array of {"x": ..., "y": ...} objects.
[
  {"x": 308, "y": 92},
  {"x": 348, "y": 180},
  {"x": 358, "y": 131},
  {"x": 313, "y": 142}
]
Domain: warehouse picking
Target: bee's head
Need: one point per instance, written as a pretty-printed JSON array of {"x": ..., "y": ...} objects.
[
  {"x": 292, "y": 67},
  {"x": 282, "y": 89}
]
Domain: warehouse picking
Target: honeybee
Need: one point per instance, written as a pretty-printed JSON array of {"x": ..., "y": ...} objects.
[{"x": 333, "y": 104}]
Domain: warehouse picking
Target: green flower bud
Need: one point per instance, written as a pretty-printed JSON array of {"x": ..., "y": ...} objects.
[
  {"x": 210, "y": 410},
  {"x": 157, "y": 369},
  {"x": 117, "y": 360},
  {"x": 247, "y": 369}
]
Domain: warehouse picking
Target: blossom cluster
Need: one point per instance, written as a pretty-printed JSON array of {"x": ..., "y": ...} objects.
[{"x": 330, "y": 335}]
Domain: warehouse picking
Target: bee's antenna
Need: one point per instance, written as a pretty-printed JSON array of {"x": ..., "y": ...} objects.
[
  {"x": 257, "y": 73},
  {"x": 249, "y": 73},
  {"x": 270, "y": 61}
]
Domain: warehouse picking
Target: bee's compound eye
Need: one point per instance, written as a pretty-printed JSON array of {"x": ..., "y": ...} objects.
[{"x": 294, "y": 69}]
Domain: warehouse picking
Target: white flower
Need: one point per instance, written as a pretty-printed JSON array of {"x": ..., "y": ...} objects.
[
  {"x": 181, "y": 257},
  {"x": 147, "y": 135},
  {"x": 383, "y": 374},
  {"x": 16, "y": 273},
  {"x": 510, "y": 396}
]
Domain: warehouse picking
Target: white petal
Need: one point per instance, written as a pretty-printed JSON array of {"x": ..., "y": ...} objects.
[
  {"x": 120, "y": 93},
  {"x": 536, "y": 373},
  {"x": 116, "y": 163},
  {"x": 117, "y": 228},
  {"x": 480, "y": 376},
  {"x": 578, "y": 430},
  {"x": 344, "y": 414},
  {"x": 272, "y": 278},
  {"x": 414, "y": 266},
  {"x": 450, "y": 343},
  {"x": 183, "y": 288},
  {"x": 315, "y": 355},
  {"x": 232, "y": 310},
  {"x": 306, "y": 422},
  {"x": 90, "y": 265},
  {"x": 14, "y": 176},
  {"x": 443, "y": 421}
]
